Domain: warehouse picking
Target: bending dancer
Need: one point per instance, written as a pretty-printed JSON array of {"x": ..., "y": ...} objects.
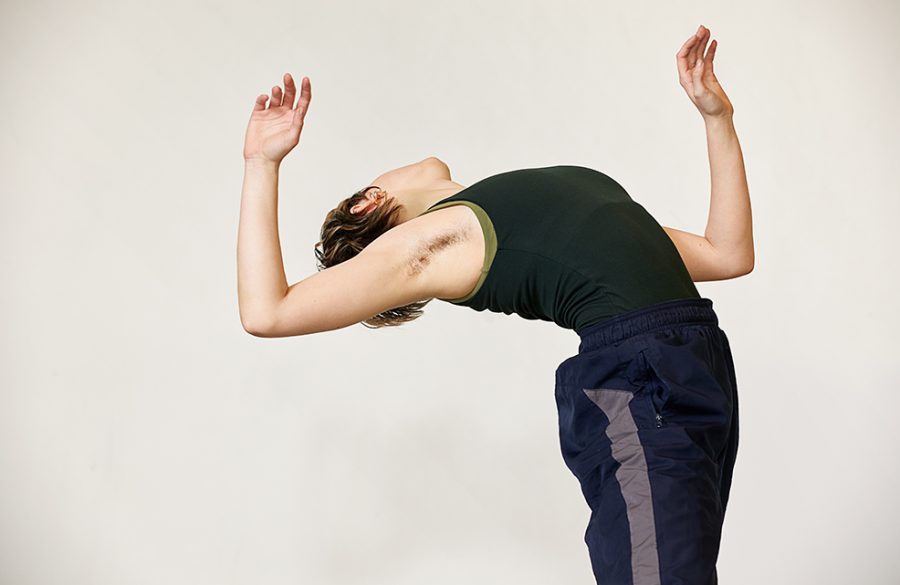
[{"x": 648, "y": 407}]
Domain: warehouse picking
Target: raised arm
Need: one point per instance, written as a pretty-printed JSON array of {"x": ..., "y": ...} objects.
[
  {"x": 388, "y": 273},
  {"x": 271, "y": 134},
  {"x": 726, "y": 248}
]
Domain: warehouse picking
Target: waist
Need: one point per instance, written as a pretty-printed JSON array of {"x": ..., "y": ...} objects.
[{"x": 656, "y": 316}]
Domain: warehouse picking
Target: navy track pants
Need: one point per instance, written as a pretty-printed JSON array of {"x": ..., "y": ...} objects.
[{"x": 648, "y": 423}]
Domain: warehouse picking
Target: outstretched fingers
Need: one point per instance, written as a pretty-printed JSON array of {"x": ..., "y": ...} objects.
[
  {"x": 305, "y": 94},
  {"x": 290, "y": 91},
  {"x": 286, "y": 98},
  {"x": 260, "y": 103},
  {"x": 303, "y": 102},
  {"x": 276, "y": 97}
]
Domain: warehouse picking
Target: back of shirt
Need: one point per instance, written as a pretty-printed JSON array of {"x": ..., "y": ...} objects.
[{"x": 568, "y": 244}]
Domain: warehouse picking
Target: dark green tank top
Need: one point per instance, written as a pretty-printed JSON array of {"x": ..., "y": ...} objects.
[{"x": 568, "y": 244}]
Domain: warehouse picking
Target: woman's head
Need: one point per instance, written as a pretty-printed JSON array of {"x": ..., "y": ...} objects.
[{"x": 359, "y": 219}]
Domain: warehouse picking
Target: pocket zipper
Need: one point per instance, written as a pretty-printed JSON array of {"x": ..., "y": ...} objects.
[{"x": 656, "y": 413}]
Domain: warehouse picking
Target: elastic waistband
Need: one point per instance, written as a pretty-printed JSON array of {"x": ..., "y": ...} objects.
[{"x": 675, "y": 312}]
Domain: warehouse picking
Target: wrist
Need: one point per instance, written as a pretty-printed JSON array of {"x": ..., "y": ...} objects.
[
  {"x": 256, "y": 163},
  {"x": 722, "y": 120}
]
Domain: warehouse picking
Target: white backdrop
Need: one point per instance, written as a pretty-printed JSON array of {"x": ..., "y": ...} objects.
[{"x": 145, "y": 438}]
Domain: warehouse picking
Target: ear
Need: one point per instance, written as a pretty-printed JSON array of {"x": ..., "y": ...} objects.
[
  {"x": 363, "y": 207},
  {"x": 368, "y": 204}
]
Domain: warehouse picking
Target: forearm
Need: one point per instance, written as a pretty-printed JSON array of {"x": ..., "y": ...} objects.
[
  {"x": 729, "y": 227},
  {"x": 261, "y": 280}
]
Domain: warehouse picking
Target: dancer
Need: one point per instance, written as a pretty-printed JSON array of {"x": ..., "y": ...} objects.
[{"x": 648, "y": 407}]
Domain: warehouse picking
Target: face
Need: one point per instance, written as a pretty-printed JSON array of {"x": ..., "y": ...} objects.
[{"x": 401, "y": 182}]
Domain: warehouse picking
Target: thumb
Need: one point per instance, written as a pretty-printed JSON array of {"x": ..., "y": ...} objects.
[{"x": 297, "y": 119}]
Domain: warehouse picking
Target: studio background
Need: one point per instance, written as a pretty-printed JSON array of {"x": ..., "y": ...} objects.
[{"x": 145, "y": 438}]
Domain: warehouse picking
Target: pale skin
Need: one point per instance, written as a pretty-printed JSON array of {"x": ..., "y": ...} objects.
[{"x": 400, "y": 267}]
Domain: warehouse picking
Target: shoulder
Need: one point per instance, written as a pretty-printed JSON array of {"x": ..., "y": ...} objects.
[{"x": 443, "y": 248}]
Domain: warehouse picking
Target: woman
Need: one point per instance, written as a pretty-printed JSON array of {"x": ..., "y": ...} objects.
[{"x": 648, "y": 410}]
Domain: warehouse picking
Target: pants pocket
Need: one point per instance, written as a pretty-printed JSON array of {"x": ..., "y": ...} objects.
[
  {"x": 689, "y": 385},
  {"x": 650, "y": 392}
]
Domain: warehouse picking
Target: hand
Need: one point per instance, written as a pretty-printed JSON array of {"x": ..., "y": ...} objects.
[
  {"x": 275, "y": 131},
  {"x": 696, "y": 76}
]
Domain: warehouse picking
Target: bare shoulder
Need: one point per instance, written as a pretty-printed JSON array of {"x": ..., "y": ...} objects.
[{"x": 446, "y": 250}]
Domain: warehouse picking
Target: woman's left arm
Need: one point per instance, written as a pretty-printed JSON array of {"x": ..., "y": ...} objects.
[
  {"x": 730, "y": 223},
  {"x": 726, "y": 248}
]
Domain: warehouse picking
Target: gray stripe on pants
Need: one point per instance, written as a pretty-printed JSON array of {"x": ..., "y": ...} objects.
[{"x": 634, "y": 481}]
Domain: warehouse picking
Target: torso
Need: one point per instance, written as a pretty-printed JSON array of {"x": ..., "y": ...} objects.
[{"x": 562, "y": 243}]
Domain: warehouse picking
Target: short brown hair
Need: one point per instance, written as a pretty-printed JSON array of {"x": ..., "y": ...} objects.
[{"x": 344, "y": 235}]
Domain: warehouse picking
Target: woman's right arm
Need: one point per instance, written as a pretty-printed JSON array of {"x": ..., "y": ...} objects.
[
  {"x": 726, "y": 248},
  {"x": 375, "y": 280}
]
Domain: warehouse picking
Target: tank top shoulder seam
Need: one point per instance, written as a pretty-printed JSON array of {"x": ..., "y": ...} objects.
[{"x": 490, "y": 241}]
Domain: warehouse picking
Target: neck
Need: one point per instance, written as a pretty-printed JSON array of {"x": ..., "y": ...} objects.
[{"x": 416, "y": 201}]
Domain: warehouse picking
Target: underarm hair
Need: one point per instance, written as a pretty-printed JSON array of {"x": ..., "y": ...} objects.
[{"x": 431, "y": 246}]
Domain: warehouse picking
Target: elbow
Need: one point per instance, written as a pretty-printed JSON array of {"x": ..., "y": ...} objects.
[
  {"x": 742, "y": 265},
  {"x": 254, "y": 329},
  {"x": 257, "y": 326},
  {"x": 749, "y": 262}
]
